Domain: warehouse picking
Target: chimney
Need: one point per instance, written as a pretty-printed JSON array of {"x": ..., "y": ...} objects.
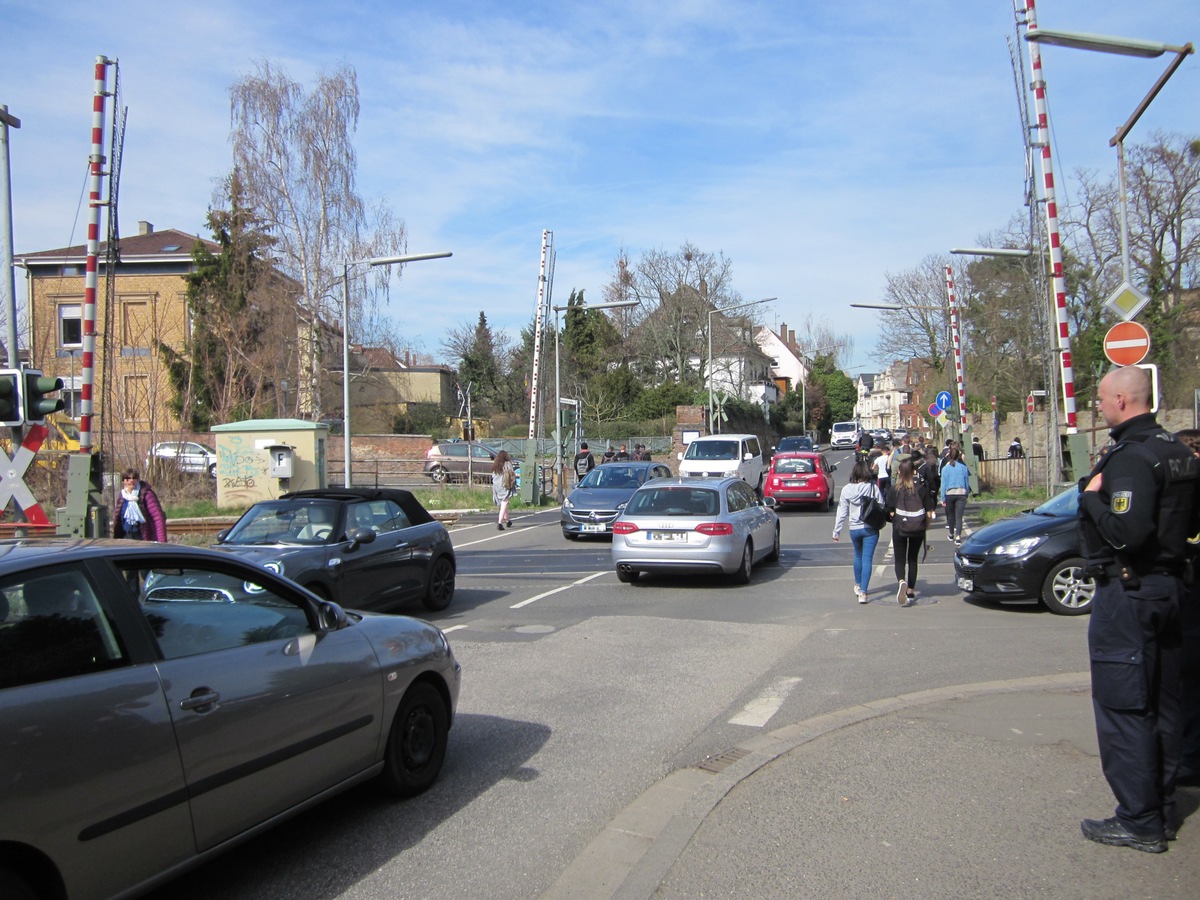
[
  {"x": 783, "y": 332},
  {"x": 791, "y": 341},
  {"x": 145, "y": 227}
]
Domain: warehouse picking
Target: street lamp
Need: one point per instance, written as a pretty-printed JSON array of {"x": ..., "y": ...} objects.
[
  {"x": 372, "y": 261},
  {"x": 1103, "y": 43},
  {"x": 558, "y": 454},
  {"x": 711, "y": 313}
]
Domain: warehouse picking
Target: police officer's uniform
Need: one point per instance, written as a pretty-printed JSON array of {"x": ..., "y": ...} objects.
[{"x": 1135, "y": 531}]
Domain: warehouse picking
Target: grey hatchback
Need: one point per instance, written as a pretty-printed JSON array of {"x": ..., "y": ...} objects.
[{"x": 160, "y": 704}]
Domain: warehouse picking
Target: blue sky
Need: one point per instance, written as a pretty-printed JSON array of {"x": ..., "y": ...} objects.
[{"x": 818, "y": 146}]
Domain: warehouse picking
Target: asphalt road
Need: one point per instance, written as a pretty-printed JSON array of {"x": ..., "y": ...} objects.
[{"x": 580, "y": 693}]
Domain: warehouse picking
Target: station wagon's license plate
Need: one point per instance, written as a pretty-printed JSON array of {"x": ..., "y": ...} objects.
[
  {"x": 966, "y": 584},
  {"x": 679, "y": 537},
  {"x": 593, "y": 526}
]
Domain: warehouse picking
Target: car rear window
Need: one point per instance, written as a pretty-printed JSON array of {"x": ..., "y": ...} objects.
[
  {"x": 676, "y": 501},
  {"x": 793, "y": 466}
]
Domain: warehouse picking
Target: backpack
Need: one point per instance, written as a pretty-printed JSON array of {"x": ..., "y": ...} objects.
[
  {"x": 510, "y": 478},
  {"x": 911, "y": 514}
]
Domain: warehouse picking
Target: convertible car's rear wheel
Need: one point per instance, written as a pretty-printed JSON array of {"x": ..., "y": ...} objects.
[
  {"x": 416, "y": 746},
  {"x": 1067, "y": 590},
  {"x": 441, "y": 585}
]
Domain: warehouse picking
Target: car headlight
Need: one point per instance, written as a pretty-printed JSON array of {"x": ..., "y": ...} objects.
[
  {"x": 1019, "y": 547},
  {"x": 568, "y": 504}
]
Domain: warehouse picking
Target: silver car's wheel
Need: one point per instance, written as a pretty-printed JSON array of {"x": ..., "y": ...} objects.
[
  {"x": 1067, "y": 590},
  {"x": 742, "y": 575},
  {"x": 774, "y": 554},
  {"x": 439, "y": 475},
  {"x": 416, "y": 744}
]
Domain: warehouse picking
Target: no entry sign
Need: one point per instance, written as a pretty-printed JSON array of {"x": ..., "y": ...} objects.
[{"x": 1127, "y": 343}]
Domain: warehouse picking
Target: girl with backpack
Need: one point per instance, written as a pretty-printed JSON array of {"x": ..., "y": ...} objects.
[
  {"x": 910, "y": 507},
  {"x": 504, "y": 485},
  {"x": 852, "y": 508}
]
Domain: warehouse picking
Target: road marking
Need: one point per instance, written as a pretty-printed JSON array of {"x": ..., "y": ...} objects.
[
  {"x": 758, "y": 712},
  {"x": 558, "y": 590},
  {"x": 453, "y": 628}
]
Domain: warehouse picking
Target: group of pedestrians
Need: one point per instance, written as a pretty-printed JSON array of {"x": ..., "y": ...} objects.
[{"x": 900, "y": 485}]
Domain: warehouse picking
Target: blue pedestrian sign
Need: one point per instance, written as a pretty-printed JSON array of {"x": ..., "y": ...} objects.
[{"x": 943, "y": 400}]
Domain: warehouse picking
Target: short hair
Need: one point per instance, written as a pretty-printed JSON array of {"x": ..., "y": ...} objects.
[
  {"x": 131, "y": 473},
  {"x": 1190, "y": 437},
  {"x": 583, "y": 446}
]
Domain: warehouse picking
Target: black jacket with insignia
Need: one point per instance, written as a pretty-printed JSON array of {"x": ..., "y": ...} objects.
[{"x": 1147, "y": 503}]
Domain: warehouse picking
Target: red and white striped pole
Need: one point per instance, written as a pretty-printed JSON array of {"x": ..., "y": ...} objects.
[
  {"x": 96, "y": 168},
  {"x": 1056, "y": 259},
  {"x": 956, "y": 340}
]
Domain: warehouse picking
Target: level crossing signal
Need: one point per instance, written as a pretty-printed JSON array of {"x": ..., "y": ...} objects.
[
  {"x": 11, "y": 410},
  {"x": 35, "y": 400}
]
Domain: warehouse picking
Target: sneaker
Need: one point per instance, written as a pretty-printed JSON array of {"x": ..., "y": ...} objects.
[
  {"x": 1114, "y": 833},
  {"x": 902, "y": 593},
  {"x": 950, "y": 535},
  {"x": 499, "y": 526},
  {"x": 862, "y": 596},
  {"x": 910, "y": 598}
]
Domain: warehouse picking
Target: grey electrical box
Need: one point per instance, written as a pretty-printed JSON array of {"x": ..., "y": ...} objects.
[{"x": 280, "y": 465}]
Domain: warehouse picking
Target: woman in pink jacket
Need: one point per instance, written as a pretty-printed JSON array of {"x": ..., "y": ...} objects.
[{"x": 139, "y": 516}]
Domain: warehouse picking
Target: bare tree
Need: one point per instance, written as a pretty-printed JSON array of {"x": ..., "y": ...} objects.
[
  {"x": 294, "y": 156},
  {"x": 919, "y": 328}
]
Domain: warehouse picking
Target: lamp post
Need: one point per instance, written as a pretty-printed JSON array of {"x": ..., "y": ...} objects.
[
  {"x": 558, "y": 439},
  {"x": 371, "y": 261},
  {"x": 1102, "y": 43},
  {"x": 711, "y": 313}
]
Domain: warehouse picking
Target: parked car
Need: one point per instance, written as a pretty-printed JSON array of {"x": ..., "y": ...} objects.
[
  {"x": 1033, "y": 556},
  {"x": 455, "y": 460},
  {"x": 375, "y": 547},
  {"x": 161, "y": 704},
  {"x": 721, "y": 455},
  {"x": 691, "y": 525},
  {"x": 803, "y": 478},
  {"x": 796, "y": 443},
  {"x": 186, "y": 456},
  {"x": 601, "y": 495}
]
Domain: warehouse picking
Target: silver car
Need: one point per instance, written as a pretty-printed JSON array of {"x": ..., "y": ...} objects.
[
  {"x": 160, "y": 704},
  {"x": 694, "y": 525}
]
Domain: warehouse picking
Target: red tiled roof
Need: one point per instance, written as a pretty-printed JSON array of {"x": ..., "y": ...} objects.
[{"x": 166, "y": 243}]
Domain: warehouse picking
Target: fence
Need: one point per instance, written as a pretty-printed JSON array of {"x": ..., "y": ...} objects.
[{"x": 1027, "y": 471}]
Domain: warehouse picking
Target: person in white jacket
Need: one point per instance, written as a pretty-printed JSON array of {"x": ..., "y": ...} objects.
[{"x": 862, "y": 535}]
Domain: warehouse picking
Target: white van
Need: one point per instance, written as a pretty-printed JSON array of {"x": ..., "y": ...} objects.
[
  {"x": 844, "y": 434},
  {"x": 723, "y": 455}
]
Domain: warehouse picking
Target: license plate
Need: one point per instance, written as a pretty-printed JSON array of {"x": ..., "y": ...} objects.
[
  {"x": 966, "y": 584},
  {"x": 679, "y": 537},
  {"x": 592, "y": 526}
]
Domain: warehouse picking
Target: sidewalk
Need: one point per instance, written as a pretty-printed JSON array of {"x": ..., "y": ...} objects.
[{"x": 965, "y": 791}]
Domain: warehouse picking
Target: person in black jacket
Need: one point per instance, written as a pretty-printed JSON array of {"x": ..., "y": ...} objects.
[
  {"x": 1137, "y": 508},
  {"x": 584, "y": 461},
  {"x": 910, "y": 507}
]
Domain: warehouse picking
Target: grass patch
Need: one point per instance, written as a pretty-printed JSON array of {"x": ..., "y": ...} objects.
[{"x": 1004, "y": 503}]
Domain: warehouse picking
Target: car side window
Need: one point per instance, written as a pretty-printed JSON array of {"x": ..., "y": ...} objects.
[
  {"x": 53, "y": 626},
  {"x": 387, "y": 516},
  {"x": 456, "y": 450},
  {"x": 480, "y": 452},
  {"x": 198, "y": 610},
  {"x": 734, "y": 498},
  {"x": 752, "y": 447}
]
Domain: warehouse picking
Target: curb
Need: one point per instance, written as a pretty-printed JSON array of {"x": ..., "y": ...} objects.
[{"x": 634, "y": 852}]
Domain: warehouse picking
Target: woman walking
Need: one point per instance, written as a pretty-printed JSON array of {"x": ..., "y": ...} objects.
[
  {"x": 956, "y": 486},
  {"x": 910, "y": 507},
  {"x": 139, "y": 516},
  {"x": 850, "y": 509},
  {"x": 504, "y": 485}
]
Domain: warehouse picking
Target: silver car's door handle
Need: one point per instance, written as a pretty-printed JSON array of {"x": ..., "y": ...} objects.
[{"x": 200, "y": 698}]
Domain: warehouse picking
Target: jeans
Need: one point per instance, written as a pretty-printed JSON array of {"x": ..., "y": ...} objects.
[{"x": 864, "y": 540}]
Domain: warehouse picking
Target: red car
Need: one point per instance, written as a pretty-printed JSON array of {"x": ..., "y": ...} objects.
[{"x": 801, "y": 478}]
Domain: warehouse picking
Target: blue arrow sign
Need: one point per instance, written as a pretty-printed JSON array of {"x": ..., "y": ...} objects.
[{"x": 943, "y": 400}]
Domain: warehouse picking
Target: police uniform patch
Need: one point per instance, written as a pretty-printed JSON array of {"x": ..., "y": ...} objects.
[{"x": 1121, "y": 501}]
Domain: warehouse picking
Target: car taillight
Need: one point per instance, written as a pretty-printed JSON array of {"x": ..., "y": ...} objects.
[
  {"x": 715, "y": 528},
  {"x": 624, "y": 528}
]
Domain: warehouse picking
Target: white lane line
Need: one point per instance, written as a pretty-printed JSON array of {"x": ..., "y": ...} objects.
[
  {"x": 453, "y": 628},
  {"x": 494, "y": 537},
  {"x": 558, "y": 590},
  {"x": 758, "y": 711}
]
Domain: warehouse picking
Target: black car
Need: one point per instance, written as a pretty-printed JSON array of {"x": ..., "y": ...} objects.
[
  {"x": 376, "y": 547},
  {"x": 795, "y": 444},
  {"x": 1033, "y": 556}
]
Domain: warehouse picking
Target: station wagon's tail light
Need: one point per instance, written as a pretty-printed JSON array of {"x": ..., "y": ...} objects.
[
  {"x": 624, "y": 528},
  {"x": 715, "y": 528}
]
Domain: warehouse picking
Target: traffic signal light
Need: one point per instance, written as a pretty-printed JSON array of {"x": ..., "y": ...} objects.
[
  {"x": 36, "y": 404},
  {"x": 11, "y": 411}
]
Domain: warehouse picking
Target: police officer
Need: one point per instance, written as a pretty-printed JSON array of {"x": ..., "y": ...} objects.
[{"x": 1137, "y": 508}]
